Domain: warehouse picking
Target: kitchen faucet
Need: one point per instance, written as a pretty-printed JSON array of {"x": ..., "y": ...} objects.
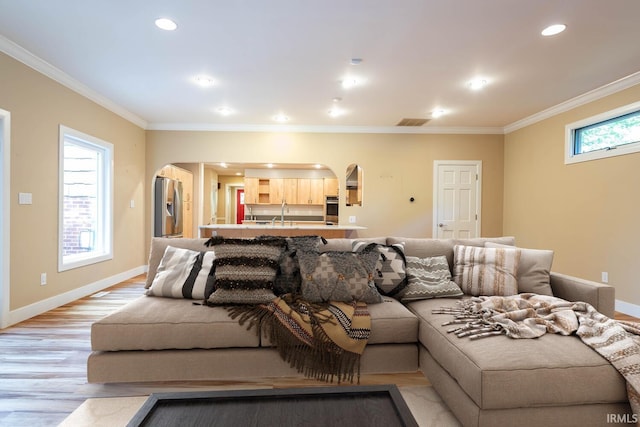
[{"x": 284, "y": 204}]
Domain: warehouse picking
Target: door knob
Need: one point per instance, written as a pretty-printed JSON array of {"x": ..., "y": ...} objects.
[{"x": 441, "y": 225}]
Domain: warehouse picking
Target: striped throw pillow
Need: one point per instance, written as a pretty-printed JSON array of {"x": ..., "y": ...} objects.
[
  {"x": 486, "y": 271},
  {"x": 428, "y": 278},
  {"x": 245, "y": 269},
  {"x": 183, "y": 273}
]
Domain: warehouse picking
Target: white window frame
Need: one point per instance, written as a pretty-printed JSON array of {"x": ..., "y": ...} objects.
[
  {"x": 570, "y": 157},
  {"x": 104, "y": 235}
]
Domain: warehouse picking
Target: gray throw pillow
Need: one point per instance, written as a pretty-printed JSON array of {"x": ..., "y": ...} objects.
[{"x": 339, "y": 276}]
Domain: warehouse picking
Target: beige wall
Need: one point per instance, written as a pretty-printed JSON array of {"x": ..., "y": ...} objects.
[
  {"x": 586, "y": 212},
  {"x": 38, "y": 105},
  {"x": 396, "y": 167}
]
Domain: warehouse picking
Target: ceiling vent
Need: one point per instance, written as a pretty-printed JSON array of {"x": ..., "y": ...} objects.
[{"x": 412, "y": 122}]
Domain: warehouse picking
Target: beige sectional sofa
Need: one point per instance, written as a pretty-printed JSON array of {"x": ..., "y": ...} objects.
[{"x": 551, "y": 380}]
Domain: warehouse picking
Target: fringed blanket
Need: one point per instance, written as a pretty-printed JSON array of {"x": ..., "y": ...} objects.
[
  {"x": 322, "y": 341},
  {"x": 532, "y": 315}
]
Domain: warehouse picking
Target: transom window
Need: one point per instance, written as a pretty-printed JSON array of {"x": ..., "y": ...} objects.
[
  {"x": 85, "y": 228},
  {"x": 614, "y": 133}
]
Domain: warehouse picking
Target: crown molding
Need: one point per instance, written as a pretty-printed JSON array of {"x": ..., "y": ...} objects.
[
  {"x": 208, "y": 127},
  {"x": 19, "y": 53},
  {"x": 593, "y": 95}
]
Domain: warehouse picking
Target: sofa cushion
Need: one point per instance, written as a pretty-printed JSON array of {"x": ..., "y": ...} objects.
[
  {"x": 390, "y": 275},
  {"x": 428, "y": 278},
  {"x": 184, "y": 273},
  {"x": 339, "y": 276},
  {"x": 391, "y": 322},
  {"x": 245, "y": 269},
  {"x": 154, "y": 323},
  {"x": 534, "y": 269},
  {"x": 500, "y": 372},
  {"x": 158, "y": 246},
  {"x": 486, "y": 271}
]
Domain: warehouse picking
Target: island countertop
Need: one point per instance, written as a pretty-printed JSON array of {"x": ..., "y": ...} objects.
[{"x": 253, "y": 230}]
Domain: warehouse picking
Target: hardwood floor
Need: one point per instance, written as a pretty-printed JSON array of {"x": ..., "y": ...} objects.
[{"x": 43, "y": 364}]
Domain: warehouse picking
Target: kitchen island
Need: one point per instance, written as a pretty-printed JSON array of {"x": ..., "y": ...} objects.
[{"x": 277, "y": 229}]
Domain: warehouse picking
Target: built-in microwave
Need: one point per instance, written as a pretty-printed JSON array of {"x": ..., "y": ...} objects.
[{"x": 331, "y": 209}]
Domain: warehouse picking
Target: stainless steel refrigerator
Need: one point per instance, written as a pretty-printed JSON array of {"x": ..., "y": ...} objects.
[{"x": 167, "y": 208}]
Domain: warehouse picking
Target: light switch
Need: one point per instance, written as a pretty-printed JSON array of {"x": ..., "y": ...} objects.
[
  {"x": 25, "y": 199},
  {"x": 132, "y": 203}
]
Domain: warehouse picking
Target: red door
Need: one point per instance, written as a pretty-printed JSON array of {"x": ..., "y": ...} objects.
[{"x": 240, "y": 206}]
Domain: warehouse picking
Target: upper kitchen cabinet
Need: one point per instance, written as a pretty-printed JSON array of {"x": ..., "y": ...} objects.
[
  {"x": 310, "y": 191},
  {"x": 257, "y": 191},
  {"x": 290, "y": 190},
  {"x": 276, "y": 191},
  {"x": 331, "y": 186}
]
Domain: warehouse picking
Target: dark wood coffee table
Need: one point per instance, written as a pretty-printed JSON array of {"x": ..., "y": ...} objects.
[{"x": 351, "y": 406}]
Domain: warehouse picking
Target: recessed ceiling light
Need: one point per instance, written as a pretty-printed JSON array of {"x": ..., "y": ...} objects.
[
  {"x": 335, "y": 112},
  {"x": 166, "y": 24},
  {"x": 269, "y": 165},
  {"x": 351, "y": 81},
  {"x": 281, "y": 118},
  {"x": 554, "y": 29},
  {"x": 223, "y": 165},
  {"x": 477, "y": 84},
  {"x": 438, "y": 113},
  {"x": 318, "y": 166},
  {"x": 204, "y": 81},
  {"x": 224, "y": 111}
]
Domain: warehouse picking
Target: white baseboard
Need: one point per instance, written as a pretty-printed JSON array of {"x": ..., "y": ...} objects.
[
  {"x": 628, "y": 308},
  {"x": 24, "y": 313}
]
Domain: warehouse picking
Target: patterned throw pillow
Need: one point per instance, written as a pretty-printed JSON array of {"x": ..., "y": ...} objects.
[
  {"x": 288, "y": 279},
  {"x": 339, "y": 276},
  {"x": 486, "y": 271},
  {"x": 183, "y": 273},
  {"x": 390, "y": 276},
  {"x": 245, "y": 269},
  {"x": 428, "y": 278}
]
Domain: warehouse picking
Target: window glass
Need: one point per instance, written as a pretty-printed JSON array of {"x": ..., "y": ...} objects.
[
  {"x": 85, "y": 200},
  {"x": 613, "y": 133},
  {"x": 608, "y": 134}
]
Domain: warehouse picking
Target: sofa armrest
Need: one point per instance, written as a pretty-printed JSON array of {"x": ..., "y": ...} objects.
[{"x": 600, "y": 296}]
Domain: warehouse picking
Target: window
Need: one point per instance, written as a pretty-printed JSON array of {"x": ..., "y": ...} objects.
[
  {"x": 610, "y": 134},
  {"x": 85, "y": 212}
]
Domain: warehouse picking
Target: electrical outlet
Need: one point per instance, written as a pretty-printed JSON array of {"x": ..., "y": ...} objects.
[
  {"x": 352, "y": 219},
  {"x": 43, "y": 279},
  {"x": 605, "y": 277}
]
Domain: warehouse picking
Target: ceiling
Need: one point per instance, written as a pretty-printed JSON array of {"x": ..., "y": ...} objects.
[{"x": 290, "y": 56}]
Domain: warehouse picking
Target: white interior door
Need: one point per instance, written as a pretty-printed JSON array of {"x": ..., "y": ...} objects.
[{"x": 456, "y": 204}]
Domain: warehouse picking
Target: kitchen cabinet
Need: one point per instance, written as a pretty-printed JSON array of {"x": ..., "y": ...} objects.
[
  {"x": 256, "y": 191},
  {"x": 276, "y": 191},
  {"x": 290, "y": 190},
  {"x": 331, "y": 186},
  {"x": 310, "y": 191}
]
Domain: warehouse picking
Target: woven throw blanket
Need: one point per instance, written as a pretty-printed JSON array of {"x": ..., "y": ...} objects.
[
  {"x": 322, "y": 341},
  {"x": 532, "y": 315}
]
